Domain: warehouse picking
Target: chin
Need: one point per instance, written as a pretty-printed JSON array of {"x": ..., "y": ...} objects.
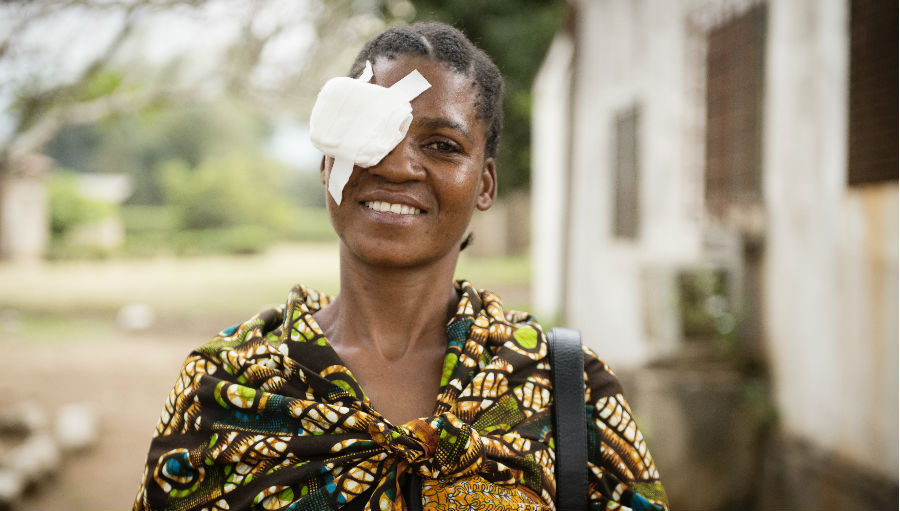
[{"x": 396, "y": 255}]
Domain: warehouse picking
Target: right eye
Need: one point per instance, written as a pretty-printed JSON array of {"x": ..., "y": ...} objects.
[{"x": 443, "y": 146}]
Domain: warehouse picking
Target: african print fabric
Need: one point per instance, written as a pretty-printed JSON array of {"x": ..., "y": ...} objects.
[{"x": 266, "y": 416}]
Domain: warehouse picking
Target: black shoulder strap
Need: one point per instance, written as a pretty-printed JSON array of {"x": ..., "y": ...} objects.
[
  {"x": 570, "y": 427},
  {"x": 413, "y": 493}
]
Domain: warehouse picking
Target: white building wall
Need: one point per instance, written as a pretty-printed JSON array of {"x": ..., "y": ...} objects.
[
  {"x": 831, "y": 251},
  {"x": 550, "y": 158},
  {"x": 830, "y": 269},
  {"x": 618, "y": 68}
]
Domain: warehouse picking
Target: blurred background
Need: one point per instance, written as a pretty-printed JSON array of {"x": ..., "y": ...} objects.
[{"x": 708, "y": 189}]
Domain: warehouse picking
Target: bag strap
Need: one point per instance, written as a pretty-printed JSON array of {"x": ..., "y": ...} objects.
[
  {"x": 569, "y": 422},
  {"x": 413, "y": 493},
  {"x": 570, "y": 426}
]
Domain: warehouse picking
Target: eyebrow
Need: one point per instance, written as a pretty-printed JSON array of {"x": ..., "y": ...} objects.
[{"x": 433, "y": 123}]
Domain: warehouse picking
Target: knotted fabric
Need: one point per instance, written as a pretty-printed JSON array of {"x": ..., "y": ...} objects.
[
  {"x": 266, "y": 416},
  {"x": 429, "y": 446}
]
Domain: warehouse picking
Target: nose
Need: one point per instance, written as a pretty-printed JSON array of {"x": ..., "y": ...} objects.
[{"x": 401, "y": 164}]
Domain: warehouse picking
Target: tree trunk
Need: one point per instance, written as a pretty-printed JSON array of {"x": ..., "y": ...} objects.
[{"x": 24, "y": 219}]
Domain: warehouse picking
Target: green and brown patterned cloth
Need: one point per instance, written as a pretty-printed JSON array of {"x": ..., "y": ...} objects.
[{"x": 266, "y": 416}]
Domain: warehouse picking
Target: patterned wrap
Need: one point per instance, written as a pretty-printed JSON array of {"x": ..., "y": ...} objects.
[{"x": 266, "y": 416}]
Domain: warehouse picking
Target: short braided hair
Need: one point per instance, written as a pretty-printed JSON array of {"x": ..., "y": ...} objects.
[{"x": 445, "y": 44}]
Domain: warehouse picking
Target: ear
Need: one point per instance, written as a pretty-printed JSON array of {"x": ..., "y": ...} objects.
[
  {"x": 488, "y": 188},
  {"x": 325, "y": 167}
]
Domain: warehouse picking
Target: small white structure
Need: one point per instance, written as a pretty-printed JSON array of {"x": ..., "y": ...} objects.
[
  {"x": 24, "y": 224},
  {"x": 685, "y": 136}
]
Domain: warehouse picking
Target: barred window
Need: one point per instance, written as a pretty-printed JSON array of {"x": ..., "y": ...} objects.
[
  {"x": 872, "y": 149},
  {"x": 735, "y": 68}
]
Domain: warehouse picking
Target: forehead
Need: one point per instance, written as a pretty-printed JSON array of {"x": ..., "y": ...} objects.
[
  {"x": 452, "y": 95},
  {"x": 389, "y": 70}
]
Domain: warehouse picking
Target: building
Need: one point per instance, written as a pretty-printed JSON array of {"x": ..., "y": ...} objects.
[{"x": 721, "y": 175}]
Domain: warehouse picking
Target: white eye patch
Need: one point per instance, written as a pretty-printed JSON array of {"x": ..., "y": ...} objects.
[{"x": 357, "y": 122}]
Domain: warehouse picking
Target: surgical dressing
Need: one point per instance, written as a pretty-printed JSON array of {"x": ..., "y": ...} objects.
[{"x": 359, "y": 123}]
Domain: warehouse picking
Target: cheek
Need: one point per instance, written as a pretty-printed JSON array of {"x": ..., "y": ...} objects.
[
  {"x": 460, "y": 193},
  {"x": 463, "y": 183}
]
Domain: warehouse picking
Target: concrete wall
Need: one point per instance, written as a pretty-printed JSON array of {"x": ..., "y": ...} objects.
[
  {"x": 549, "y": 186},
  {"x": 503, "y": 231},
  {"x": 618, "y": 67},
  {"x": 828, "y": 273},
  {"x": 831, "y": 256}
]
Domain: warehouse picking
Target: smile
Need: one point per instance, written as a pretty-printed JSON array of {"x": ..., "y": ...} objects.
[{"x": 387, "y": 207}]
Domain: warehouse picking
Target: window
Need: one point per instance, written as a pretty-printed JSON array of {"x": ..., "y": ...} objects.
[
  {"x": 872, "y": 149},
  {"x": 707, "y": 311},
  {"x": 626, "y": 215},
  {"x": 734, "y": 110}
]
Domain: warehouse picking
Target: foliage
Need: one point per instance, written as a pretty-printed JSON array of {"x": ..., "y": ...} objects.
[
  {"x": 706, "y": 311},
  {"x": 220, "y": 192},
  {"x": 105, "y": 82},
  {"x": 234, "y": 197},
  {"x": 144, "y": 219},
  {"x": 139, "y": 142},
  {"x": 307, "y": 189},
  {"x": 237, "y": 239},
  {"x": 149, "y": 230},
  {"x": 313, "y": 224},
  {"x": 99, "y": 101},
  {"x": 516, "y": 34},
  {"x": 201, "y": 183},
  {"x": 69, "y": 208},
  {"x": 277, "y": 54}
]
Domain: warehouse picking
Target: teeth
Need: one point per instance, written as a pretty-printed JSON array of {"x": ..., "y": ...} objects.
[{"x": 400, "y": 209}]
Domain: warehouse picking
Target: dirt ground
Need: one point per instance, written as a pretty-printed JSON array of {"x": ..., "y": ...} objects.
[
  {"x": 126, "y": 381},
  {"x": 64, "y": 346}
]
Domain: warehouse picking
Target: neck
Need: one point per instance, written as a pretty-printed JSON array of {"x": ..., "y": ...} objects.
[{"x": 390, "y": 312}]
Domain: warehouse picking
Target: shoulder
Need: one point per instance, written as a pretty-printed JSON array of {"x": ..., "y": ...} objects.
[
  {"x": 270, "y": 324},
  {"x": 600, "y": 380},
  {"x": 263, "y": 324}
]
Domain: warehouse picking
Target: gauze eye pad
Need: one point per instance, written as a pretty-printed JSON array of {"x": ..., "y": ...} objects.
[{"x": 359, "y": 123}]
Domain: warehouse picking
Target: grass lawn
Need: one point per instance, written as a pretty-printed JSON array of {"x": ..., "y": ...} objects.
[{"x": 52, "y": 300}]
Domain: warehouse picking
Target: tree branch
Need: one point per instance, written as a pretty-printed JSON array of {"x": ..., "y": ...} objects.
[{"x": 38, "y": 135}]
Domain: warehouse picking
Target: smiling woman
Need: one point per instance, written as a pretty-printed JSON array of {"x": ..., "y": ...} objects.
[
  {"x": 407, "y": 389},
  {"x": 439, "y": 169}
]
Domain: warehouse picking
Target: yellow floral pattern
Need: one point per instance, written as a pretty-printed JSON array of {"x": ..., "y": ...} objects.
[{"x": 267, "y": 416}]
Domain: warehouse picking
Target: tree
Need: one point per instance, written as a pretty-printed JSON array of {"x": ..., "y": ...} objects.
[
  {"x": 516, "y": 34},
  {"x": 49, "y": 83}
]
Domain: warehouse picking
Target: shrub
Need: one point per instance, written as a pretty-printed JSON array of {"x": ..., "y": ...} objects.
[
  {"x": 68, "y": 207},
  {"x": 226, "y": 191},
  {"x": 238, "y": 239}
]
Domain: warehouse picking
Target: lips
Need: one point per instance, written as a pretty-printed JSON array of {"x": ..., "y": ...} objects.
[
  {"x": 388, "y": 207},
  {"x": 395, "y": 203}
]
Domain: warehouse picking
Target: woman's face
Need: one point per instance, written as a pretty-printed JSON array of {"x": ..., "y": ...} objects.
[{"x": 414, "y": 206}]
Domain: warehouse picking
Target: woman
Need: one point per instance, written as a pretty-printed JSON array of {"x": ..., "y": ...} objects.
[{"x": 329, "y": 403}]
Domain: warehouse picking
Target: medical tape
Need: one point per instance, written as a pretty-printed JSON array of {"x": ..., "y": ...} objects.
[{"x": 359, "y": 123}]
